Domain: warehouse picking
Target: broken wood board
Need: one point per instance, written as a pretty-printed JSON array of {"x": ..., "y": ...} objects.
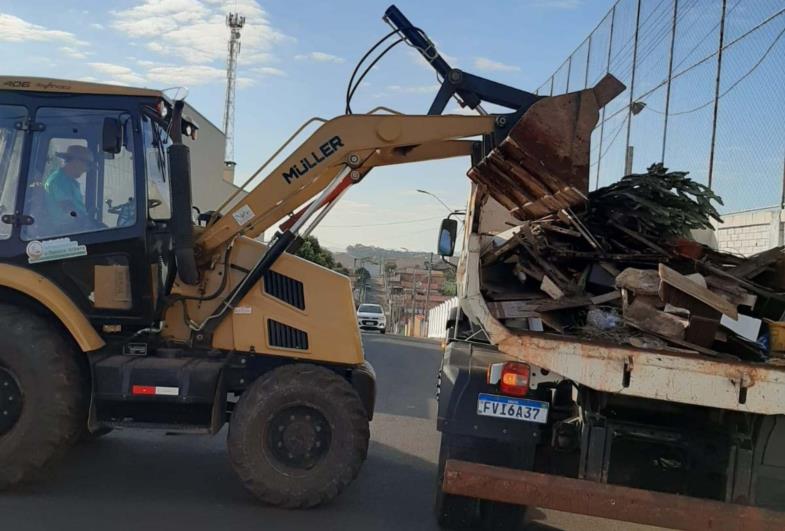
[
  {"x": 639, "y": 281},
  {"x": 549, "y": 287},
  {"x": 688, "y": 287},
  {"x": 653, "y": 320},
  {"x": 606, "y": 297},
  {"x": 516, "y": 309}
]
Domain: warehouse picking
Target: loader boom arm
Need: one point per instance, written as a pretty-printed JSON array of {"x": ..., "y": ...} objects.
[{"x": 354, "y": 142}]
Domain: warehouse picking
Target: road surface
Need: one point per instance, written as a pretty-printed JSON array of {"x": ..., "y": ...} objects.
[{"x": 131, "y": 481}]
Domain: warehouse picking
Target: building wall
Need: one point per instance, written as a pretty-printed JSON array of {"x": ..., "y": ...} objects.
[
  {"x": 750, "y": 232},
  {"x": 210, "y": 186}
]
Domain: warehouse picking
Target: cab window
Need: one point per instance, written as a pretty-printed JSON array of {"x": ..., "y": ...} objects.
[
  {"x": 156, "y": 141},
  {"x": 73, "y": 186},
  {"x": 11, "y": 138}
]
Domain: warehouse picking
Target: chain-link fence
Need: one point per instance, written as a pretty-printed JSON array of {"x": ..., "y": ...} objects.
[{"x": 705, "y": 93}]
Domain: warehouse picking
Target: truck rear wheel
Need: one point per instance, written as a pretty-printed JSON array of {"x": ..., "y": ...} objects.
[
  {"x": 298, "y": 436},
  {"x": 40, "y": 395},
  {"x": 460, "y": 512}
]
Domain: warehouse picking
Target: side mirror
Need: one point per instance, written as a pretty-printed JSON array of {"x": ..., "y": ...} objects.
[
  {"x": 447, "y": 234},
  {"x": 112, "y": 136}
]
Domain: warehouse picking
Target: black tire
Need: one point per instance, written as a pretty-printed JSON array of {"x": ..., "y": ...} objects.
[
  {"x": 42, "y": 363},
  {"x": 383, "y": 331},
  {"x": 321, "y": 448},
  {"x": 460, "y": 512}
]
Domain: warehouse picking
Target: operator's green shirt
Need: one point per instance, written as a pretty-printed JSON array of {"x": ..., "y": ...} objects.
[{"x": 61, "y": 188}]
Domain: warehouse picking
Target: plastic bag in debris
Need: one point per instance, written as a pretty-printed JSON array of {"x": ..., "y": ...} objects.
[{"x": 602, "y": 319}]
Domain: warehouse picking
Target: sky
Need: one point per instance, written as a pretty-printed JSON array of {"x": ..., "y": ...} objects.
[{"x": 295, "y": 62}]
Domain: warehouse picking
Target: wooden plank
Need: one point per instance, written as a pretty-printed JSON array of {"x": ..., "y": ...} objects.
[
  {"x": 637, "y": 237},
  {"x": 532, "y": 308},
  {"x": 549, "y": 287},
  {"x": 685, "y": 285},
  {"x": 550, "y": 227},
  {"x": 606, "y": 297},
  {"x": 758, "y": 263},
  {"x": 511, "y": 309}
]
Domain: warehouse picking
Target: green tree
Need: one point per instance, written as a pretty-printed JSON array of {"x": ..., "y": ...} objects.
[
  {"x": 313, "y": 252},
  {"x": 449, "y": 288}
]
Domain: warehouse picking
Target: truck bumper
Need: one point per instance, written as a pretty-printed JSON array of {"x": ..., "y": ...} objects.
[{"x": 580, "y": 496}]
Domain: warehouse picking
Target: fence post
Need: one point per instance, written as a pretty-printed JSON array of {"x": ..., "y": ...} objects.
[
  {"x": 628, "y": 152},
  {"x": 602, "y": 123},
  {"x": 717, "y": 92},
  {"x": 569, "y": 72},
  {"x": 670, "y": 78}
]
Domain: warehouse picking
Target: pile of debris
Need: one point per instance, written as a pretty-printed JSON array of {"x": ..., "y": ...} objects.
[{"x": 626, "y": 270}]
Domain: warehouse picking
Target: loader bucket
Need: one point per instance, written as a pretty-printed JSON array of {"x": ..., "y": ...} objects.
[{"x": 543, "y": 164}]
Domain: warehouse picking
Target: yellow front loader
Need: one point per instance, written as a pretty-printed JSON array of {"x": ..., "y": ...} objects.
[{"x": 118, "y": 312}]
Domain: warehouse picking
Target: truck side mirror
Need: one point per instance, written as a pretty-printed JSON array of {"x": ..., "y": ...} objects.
[
  {"x": 112, "y": 136},
  {"x": 447, "y": 234}
]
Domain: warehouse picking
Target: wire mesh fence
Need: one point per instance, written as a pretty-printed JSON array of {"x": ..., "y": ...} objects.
[{"x": 705, "y": 93}]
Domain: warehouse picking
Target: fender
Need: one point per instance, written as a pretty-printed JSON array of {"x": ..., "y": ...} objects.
[{"x": 51, "y": 297}]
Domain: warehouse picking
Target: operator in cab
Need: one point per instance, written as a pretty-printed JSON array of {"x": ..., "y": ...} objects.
[{"x": 65, "y": 201}]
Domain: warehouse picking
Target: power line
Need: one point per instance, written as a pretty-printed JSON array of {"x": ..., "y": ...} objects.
[{"x": 380, "y": 224}]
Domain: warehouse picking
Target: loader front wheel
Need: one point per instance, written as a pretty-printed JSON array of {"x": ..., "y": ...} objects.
[
  {"x": 40, "y": 395},
  {"x": 298, "y": 436}
]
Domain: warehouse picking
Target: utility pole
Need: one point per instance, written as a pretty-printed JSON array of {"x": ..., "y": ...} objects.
[
  {"x": 235, "y": 22},
  {"x": 414, "y": 295},
  {"x": 429, "y": 265}
]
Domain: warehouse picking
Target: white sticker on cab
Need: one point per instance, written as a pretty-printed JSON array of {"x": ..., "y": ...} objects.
[
  {"x": 243, "y": 215},
  {"x": 58, "y": 249}
]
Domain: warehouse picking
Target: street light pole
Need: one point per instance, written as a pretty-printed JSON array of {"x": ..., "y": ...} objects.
[{"x": 426, "y": 192}]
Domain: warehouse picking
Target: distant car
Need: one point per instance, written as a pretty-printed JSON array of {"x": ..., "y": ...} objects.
[{"x": 371, "y": 317}]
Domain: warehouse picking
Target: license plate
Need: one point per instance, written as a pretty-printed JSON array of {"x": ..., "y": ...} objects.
[
  {"x": 369, "y": 322},
  {"x": 506, "y": 407}
]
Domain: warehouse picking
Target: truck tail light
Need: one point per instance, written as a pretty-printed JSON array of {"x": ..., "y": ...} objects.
[{"x": 514, "y": 379}]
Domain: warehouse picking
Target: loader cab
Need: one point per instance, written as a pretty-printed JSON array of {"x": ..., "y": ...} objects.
[{"x": 86, "y": 195}]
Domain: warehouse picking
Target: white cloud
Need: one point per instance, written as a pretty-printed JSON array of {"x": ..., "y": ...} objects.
[
  {"x": 320, "y": 57},
  {"x": 482, "y": 63},
  {"x": 268, "y": 71},
  {"x": 118, "y": 74},
  {"x": 14, "y": 29},
  {"x": 186, "y": 75},
  {"x": 558, "y": 4},
  {"x": 96, "y": 25},
  {"x": 73, "y": 53},
  {"x": 195, "y": 30},
  {"x": 413, "y": 89}
]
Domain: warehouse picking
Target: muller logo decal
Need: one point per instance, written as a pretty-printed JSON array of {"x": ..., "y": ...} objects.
[{"x": 312, "y": 160}]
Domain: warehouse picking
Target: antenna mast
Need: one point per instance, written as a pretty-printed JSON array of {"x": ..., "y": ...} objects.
[{"x": 235, "y": 22}]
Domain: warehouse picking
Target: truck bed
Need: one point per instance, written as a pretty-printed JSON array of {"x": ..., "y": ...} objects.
[{"x": 658, "y": 374}]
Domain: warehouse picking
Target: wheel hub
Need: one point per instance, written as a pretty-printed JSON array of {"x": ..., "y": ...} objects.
[
  {"x": 299, "y": 437},
  {"x": 10, "y": 401}
]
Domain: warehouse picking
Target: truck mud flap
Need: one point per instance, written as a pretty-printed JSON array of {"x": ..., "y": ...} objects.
[{"x": 571, "y": 495}]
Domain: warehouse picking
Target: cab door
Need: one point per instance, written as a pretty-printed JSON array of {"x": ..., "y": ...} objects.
[{"x": 86, "y": 212}]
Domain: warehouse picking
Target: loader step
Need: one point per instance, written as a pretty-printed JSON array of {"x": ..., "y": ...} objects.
[{"x": 179, "y": 394}]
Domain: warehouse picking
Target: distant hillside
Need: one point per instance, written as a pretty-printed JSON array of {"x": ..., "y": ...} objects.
[{"x": 402, "y": 259}]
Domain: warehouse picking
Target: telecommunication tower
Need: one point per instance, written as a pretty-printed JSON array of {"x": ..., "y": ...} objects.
[{"x": 235, "y": 22}]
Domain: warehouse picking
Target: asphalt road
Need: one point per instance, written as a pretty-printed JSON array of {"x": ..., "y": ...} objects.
[{"x": 147, "y": 480}]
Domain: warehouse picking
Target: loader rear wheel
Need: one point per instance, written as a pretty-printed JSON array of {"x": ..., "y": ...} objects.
[
  {"x": 298, "y": 436},
  {"x": 40, "y": 395}
]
